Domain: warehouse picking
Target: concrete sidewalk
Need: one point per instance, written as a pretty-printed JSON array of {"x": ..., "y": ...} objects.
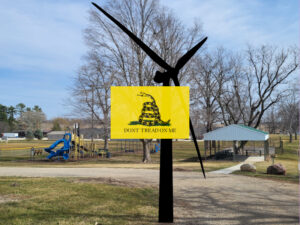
[{"x": 250, "y": 160}]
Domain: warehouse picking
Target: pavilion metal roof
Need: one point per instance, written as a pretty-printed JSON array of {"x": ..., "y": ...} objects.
[{"x": 236, "y": 132}]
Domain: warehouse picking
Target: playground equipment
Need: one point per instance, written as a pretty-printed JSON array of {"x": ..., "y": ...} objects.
[
  {"x": 74, "y": 146},
  {"x": 156, "y": 148},
  {"x": 64, "y": 151}
]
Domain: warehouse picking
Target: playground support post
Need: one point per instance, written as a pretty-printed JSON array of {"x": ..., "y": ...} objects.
[
  {"x": 32, "y": 153},
  {"x": 77, "y": 140}
]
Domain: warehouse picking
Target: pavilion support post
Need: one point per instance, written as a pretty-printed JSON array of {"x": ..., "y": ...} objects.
[
  {"x": 233, "y": 149},
  {"x": 215, "y": 148},
  {"x": 234, "y": 146},
  {"x": 266, "y": 150},
  {"x": 242, "y": 143},
  {"x": 209, "y": 148},
  {"x": 218, "y": 146},
  {"x": 205, "y": 148}
]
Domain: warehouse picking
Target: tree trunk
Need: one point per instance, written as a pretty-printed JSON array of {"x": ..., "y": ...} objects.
[
  {"x": 291, "y": 137},
  {"x": 106, "y": 142},
  {"x": 242, "y": 145},
  {"x": 295, "y": 135},
  {"x": 146, "y": 150},
  {"x": 106, "y": 135},
  {"x": 236, "y": 147}
]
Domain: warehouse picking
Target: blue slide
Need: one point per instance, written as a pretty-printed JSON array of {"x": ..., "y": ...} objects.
[
  {"x": 64, "y": 151},
  {"x": 156, "y": 148}
]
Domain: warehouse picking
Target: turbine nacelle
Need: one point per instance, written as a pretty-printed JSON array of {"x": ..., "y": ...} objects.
[{"x": 164, "y": 77}]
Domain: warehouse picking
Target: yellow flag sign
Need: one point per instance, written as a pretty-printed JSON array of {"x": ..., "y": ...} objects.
[{"x": 149, "y": 112}]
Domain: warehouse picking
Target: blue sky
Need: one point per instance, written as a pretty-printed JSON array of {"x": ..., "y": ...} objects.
[{"x": 41, "y": 42}]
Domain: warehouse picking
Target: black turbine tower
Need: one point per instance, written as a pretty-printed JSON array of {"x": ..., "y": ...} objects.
[{"x": 166, "y": 166}]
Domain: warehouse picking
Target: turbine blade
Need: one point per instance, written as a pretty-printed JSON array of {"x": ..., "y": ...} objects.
[
  {"x": 176, "y": 82},
  {"x": 138, "y": 41},
  {"x": 187, "y": 56},
  {"x": 197, "y": 147}
]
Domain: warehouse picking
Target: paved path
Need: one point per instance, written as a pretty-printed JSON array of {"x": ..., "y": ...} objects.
[
  {"x": 251, "y": 160},
  {"x": 219, "y": 199}
]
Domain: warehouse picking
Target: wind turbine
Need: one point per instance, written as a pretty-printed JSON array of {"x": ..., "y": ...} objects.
[{"x": 166, "y": 167}]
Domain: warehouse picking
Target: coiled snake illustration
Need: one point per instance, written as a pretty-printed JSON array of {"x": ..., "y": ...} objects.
[{"x": 150, "y": 115}]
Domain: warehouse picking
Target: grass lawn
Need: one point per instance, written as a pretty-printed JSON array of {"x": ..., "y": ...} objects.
[
  {"x": 184, "y": 158},
  {"x": 14, "y": 145},
  {"x": 71, "y": 201},
  {"x": 289, "y": 159}
]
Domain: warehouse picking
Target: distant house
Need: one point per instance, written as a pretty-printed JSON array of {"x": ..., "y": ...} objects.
[
  {"x": 97, "y": 133},
  {"x": 10, "y": 135},
  {"x": 55, "y": 135}
]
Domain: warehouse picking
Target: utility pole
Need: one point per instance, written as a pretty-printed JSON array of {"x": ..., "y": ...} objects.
[{"x": 92, "y": 113}]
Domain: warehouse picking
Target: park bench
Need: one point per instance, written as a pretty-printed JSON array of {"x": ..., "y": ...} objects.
[
  {"x": 36, "y": 151},
  {"x": 224, "y": 154}
]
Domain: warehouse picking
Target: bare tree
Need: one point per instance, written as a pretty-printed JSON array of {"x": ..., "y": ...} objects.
[
  {"x": 32, "y": 120},
  {"x": 92, "y": 90},
  {"x": 289, "y": 112},
  {"x": 172, "y": 40},
  {"x": 156, "y": 27},
  {"x": 61, "y": 123},
  {"x": 209, "y": 74},
  {"x": 257, "y": 84},
  {"x": 271, "y": 120}
]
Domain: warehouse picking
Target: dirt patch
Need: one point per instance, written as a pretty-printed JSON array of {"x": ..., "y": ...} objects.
[
  {"x": 111, "y": 181},
  {"x": 185, "y": 169},
  {"x": 8, "y": 198}
]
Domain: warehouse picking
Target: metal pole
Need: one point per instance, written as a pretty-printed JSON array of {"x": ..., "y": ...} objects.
[
  {"x": 166, "y": 182},
  {"x": 165, "y": 213},
  {"x": 92, "y": 113}
]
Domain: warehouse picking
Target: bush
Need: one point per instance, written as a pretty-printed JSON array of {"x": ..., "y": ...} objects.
[
  {"x": 29, "y": 135},
  {"x": 38, "y": 134}
]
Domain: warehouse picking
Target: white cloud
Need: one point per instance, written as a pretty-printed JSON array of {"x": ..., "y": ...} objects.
[{"x": 235, "y": 23}]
